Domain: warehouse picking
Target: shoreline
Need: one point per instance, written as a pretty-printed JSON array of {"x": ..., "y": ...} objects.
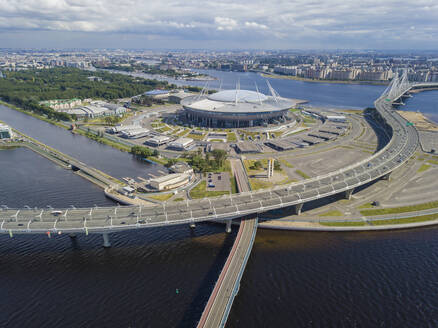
[
  {"x": 103, "y": 140},
  {"x": 419, "y": 119},
  {"x": 303, "y": 79},
  {"x": 315, "y": 227}
]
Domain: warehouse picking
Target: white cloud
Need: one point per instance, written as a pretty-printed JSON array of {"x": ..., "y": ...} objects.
[
  {"x": 255, "y": 25},
  {"x": 294, "y": 20},
  {"x": 225, "y": 23}
]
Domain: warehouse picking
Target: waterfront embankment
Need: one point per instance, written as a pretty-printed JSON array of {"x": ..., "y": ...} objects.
[{"x": 297, "y": 78}]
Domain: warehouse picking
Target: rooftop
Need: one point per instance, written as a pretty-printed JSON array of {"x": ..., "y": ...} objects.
[{"x": 241, "y": 96}]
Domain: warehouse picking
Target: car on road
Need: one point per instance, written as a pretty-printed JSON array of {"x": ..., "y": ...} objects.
[{"x": 56, "y": 213}]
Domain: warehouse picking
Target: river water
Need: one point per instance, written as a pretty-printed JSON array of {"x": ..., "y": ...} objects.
[
  {"x": 163, "y": 277},
  {"x": 107, "y": 159}
]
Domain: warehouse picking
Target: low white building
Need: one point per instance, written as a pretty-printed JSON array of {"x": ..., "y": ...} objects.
[
  {"x": 157, "y": 141},
  {"x": 170, "y": 181},
  {"x": 181, "y": 167},
  {"x": 120, "y": 128},
  {"x": 336, "y": 118},
  {"x": 5, "y": 132},
  {"x": 181, "y": 144},
  {"x": 135, "y": 133}
]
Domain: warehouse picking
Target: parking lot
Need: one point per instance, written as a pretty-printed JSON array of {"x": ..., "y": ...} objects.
[{"x": 218, "y": 181}]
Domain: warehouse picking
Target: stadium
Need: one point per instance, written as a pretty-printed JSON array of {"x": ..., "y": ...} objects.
[{"x": 236, "y": 109}]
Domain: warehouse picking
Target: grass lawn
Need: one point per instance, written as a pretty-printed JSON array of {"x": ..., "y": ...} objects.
[
  {"x": 248, "y": 163},
  {"x": 343, "y": 224},
  {"x": 366, "y": 205},
  {"x": 200, "y": 191},
  {"x": 277, "y": 133},
  {"x": 434, "y": 162},
  {"x": 195, "y": 136},
  {"x": 286, "y": 163},
  {"x": 302, "y": 174},
  {"x": 286, "y": 181},
  {"x": 163, "y": 129},
  {"x": 181, "y": 133},
  {"x": 259, "y": 184},
  {"x": 308, "y": 119},
  {"x": 407, "y": 220},
  {"x": 402, "y": 209},
  {"x": 179, "y": 199},
  {"x": 332, "y": 213},
  {"x": 423, "y": 168},
  {"x": 162, "y": 197},
  {"x": 161, "y": 160},
  {"x": 231, "y": 137},
  {"x": 104, "y": 140}
]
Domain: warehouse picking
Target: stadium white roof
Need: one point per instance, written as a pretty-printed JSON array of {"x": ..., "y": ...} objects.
[{"x": 241, "y": 95}]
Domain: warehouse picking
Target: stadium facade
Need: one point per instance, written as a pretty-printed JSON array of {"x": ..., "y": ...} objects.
[{"x": 236, "y": 109}]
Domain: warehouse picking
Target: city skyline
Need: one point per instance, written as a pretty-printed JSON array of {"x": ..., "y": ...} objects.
[{"x": 232, "y": 25}]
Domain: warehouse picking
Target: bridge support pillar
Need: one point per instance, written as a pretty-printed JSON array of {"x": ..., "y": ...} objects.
[
  {"x": 386, "y": 176},
  {"x": 348, "y": 193},
  {"x": 297, "y": 208},
  {"x": 228, "y": 226},
  {"x": 106, "y": 240}
]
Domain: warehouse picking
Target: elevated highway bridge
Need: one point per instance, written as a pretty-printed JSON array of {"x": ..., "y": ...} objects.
[{"x": 402, "y": 145}]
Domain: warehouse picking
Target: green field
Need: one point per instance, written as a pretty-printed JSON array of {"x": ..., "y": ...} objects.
[
  {"x": 407, "y": 220},
  {"x": 366, "y": 205},
  {"x": 423, "y": 168},
  {"x": 200, "y": 191},
  {"x": 195, "y": 136},
  {"x": 259, "y": 184},
  {"x": 343, "y": 224},
  {"x": 161, "y": 197},
  {"x": 402, "y": 209},
  {"x": 302, "y": 174},
  {"x": 231, "y": 137},
  {"x": 249, "y": 166},
  {"x": 332, "y": 213},
  {"x": 286, "y": 163}
]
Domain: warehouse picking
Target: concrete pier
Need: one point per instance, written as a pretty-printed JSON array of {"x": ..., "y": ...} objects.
[
  {"x": 348, "y": 193},
  {"x": 297, "y": 208},
  {"x": 228, "y": 226},
  {"x": 386, "y": 176},
  {"x": 106, "y": 240}
]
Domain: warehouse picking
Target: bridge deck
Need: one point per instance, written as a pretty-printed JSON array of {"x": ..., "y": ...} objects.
[{"x": 219, "y": 304}]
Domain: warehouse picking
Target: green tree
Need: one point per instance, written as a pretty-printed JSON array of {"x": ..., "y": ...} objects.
[
  {"x": 220, "y": 156},
  {"x": 257, "y": 165}
]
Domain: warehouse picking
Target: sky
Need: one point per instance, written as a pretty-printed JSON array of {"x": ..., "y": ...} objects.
[{"x": 223, "y": 24}]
